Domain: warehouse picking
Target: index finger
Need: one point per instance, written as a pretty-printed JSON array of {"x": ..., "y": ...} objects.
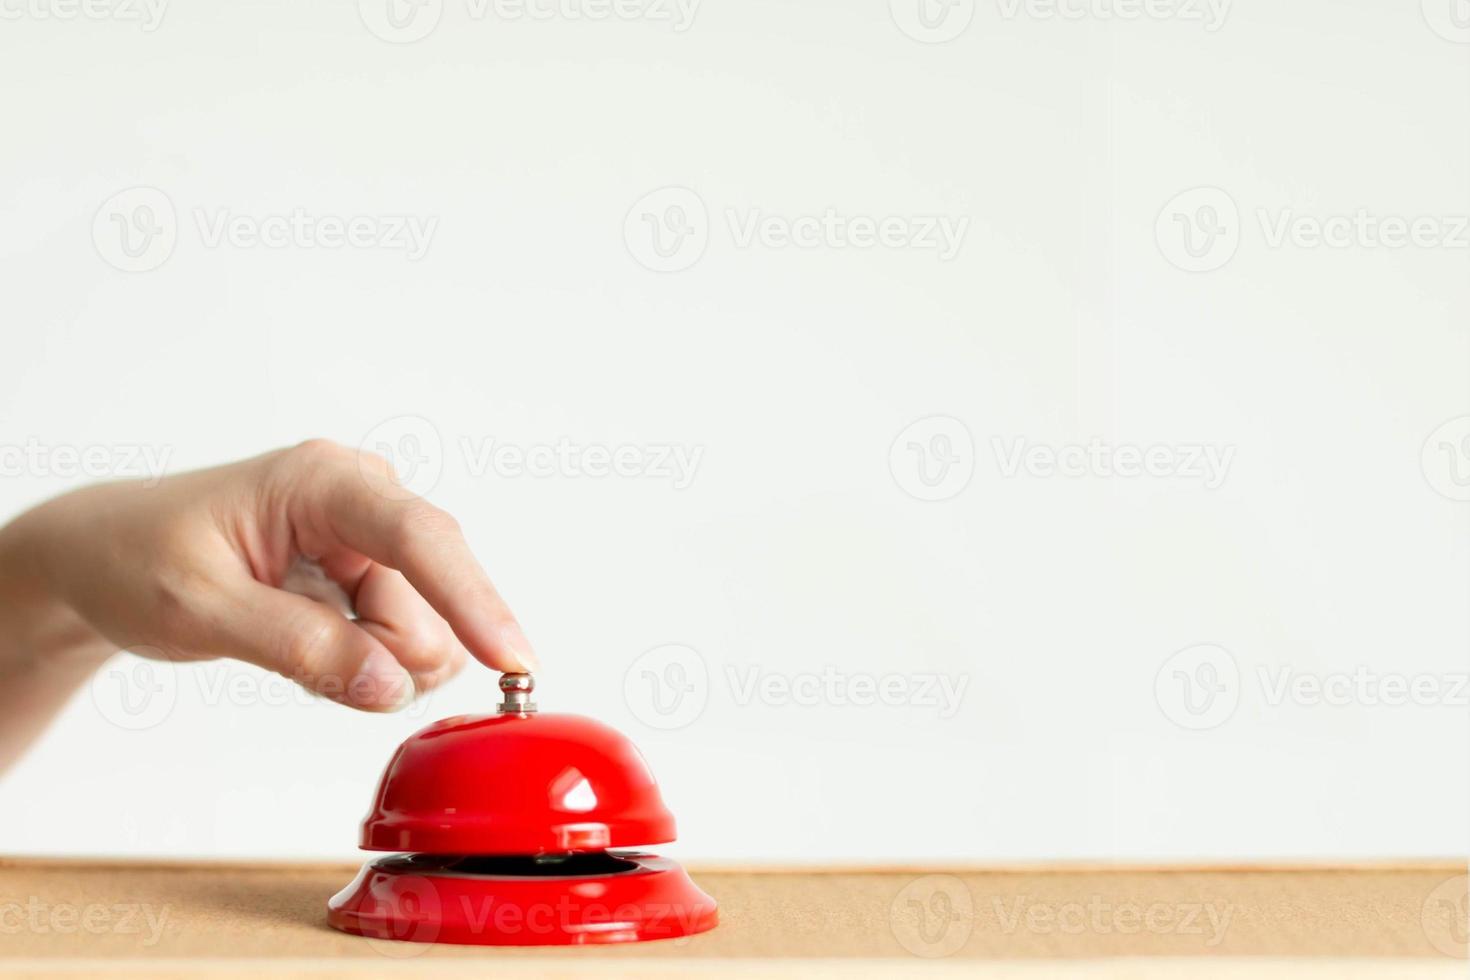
[{"x": 361, "y": 507}]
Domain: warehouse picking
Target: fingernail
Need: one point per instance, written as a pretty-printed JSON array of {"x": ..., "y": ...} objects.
[
  {"x": 381, "y": 682},
  {"x": 514, "y": 640}
]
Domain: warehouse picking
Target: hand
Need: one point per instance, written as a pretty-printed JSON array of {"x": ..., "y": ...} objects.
[{"x": 221, "y": 562}]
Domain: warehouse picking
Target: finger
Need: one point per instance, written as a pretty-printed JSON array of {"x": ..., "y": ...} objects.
[
  {"x": 390, "y": 609},
  {"x": 362, "y": 509},
  {"x": 309, "y": 643}
]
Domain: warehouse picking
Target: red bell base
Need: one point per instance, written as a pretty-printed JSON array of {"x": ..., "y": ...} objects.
[{"x": 442, "y": 899}]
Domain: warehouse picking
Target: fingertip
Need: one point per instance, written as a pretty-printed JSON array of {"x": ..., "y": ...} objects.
[
  {"x": 503, "y": 646},
  {"x": 515, "y": 643}
]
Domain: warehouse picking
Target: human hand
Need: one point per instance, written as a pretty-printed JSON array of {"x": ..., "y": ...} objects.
[{"x": 211, "y": 563}]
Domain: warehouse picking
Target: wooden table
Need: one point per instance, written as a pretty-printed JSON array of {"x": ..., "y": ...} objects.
[{"x": 87, "y": 918}]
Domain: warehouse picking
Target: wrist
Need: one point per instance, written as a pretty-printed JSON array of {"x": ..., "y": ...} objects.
[{"x": 39, "y": 630}]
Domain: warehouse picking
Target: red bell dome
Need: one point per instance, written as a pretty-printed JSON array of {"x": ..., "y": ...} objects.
[{"x": 516, "y": 784}]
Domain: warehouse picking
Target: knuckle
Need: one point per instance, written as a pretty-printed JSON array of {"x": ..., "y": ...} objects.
[
  {"x": 420, "y": 519},
  {"x": 315, "y": 452}
]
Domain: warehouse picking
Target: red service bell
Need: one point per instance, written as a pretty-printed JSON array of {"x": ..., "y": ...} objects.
[{"x": 506, "y": 826}]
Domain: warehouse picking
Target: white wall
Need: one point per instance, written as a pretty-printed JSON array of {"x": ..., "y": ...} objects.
[{"x": 1334, "y": 541}]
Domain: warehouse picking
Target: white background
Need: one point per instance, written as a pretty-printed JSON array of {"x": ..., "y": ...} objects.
[{"x": 1333, "y": 544}]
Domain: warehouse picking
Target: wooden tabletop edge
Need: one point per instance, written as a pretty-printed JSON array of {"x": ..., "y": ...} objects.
[{"x": 1447, "y": 866}]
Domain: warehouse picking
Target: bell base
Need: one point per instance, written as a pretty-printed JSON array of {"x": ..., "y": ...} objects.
[{"x": 429, "y": 899}]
